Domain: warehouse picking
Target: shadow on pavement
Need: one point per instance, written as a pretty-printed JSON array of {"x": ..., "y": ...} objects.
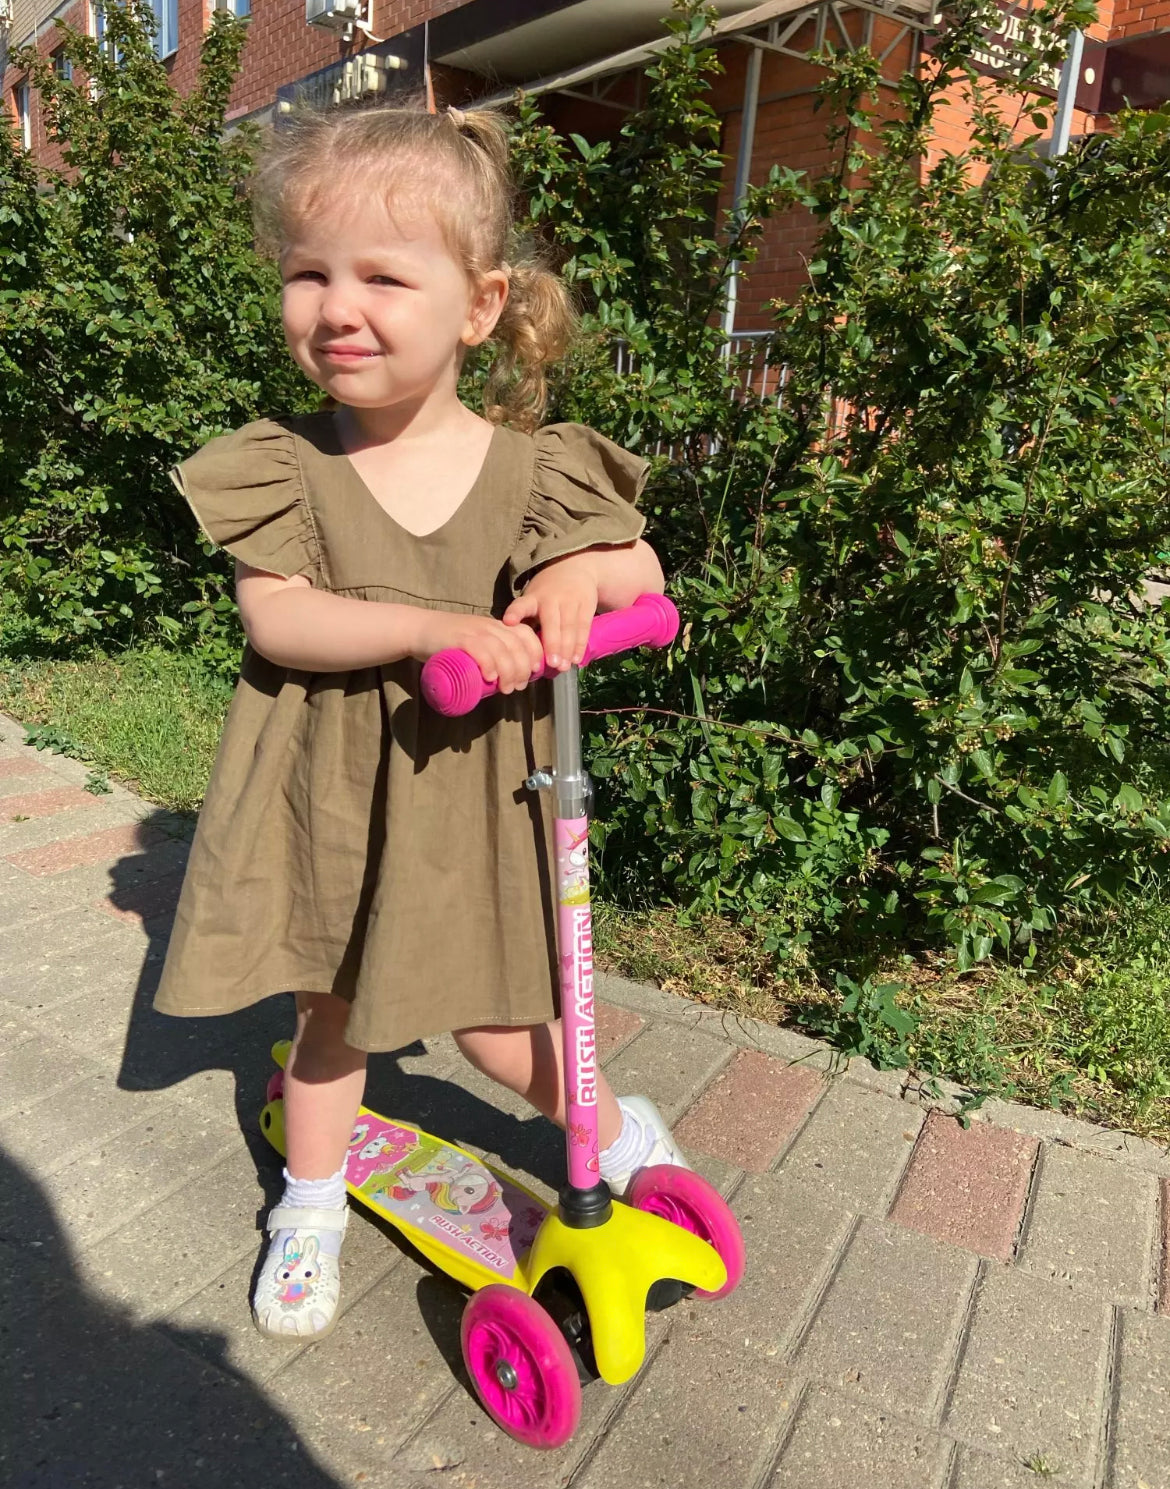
[{"x": 94, "y": 1400}]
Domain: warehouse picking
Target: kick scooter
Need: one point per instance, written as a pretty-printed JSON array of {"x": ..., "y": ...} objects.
[{"x": 558, "y": 1295}]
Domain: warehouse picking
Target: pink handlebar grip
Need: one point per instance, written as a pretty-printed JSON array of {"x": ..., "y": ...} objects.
[{"x": 452, "y": 683}]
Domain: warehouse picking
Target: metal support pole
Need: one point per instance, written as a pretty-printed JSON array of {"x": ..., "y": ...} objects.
[
  {"x": 1070, "y": 76},
  {"x": 743, "y": 170}
]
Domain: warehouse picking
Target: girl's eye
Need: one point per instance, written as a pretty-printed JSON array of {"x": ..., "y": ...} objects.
[
  {"x": 305, "y": 274},
  {"x": 384, "y": 279}
]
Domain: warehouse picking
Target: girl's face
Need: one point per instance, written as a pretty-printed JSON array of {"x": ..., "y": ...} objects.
[{"x": 376, "y": 310}]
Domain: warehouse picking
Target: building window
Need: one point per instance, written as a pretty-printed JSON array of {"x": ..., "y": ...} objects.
[
  {"x": 62, "y": 67},
  {"x": 97, "y": 26},
  {"x": 166, "y": 21},
  {"x": 166, "y": 36},
  {"x": 23, "y": 95}
]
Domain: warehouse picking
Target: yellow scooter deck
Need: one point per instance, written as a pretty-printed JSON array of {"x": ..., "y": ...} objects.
[{"x": 472, "y": 1220}]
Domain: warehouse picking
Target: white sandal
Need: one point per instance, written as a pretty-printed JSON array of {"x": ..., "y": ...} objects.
[{"x": 297, "y": 1293}]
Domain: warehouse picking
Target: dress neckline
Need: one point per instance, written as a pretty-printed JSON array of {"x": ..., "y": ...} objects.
[{"x": 359, "y": 482}]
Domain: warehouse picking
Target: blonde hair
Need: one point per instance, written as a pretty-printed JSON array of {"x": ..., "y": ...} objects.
[{"x": 456, "y": 165}]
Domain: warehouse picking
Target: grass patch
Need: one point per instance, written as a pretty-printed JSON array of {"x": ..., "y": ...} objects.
[
  {"x": 150, "y": 717},
  {"x": 1089, "y": 1033}
]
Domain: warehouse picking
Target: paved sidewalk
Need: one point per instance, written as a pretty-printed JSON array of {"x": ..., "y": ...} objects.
[{"x": 925, "y": 1307}]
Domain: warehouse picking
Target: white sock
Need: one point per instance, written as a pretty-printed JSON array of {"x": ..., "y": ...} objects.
[
  {"x": 314, "y": 1194},
  {"x": 630, "y": 1149}
]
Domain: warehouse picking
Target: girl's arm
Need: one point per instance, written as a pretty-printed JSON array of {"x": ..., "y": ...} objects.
[
  {"x": 294, "y": 625},
  {"x": 565, "y": 595}
]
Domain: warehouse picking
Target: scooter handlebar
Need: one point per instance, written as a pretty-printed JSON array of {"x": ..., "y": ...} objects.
[{"x": 452, "y": 683}]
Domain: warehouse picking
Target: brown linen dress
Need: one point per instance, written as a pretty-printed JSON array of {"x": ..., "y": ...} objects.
[{"x": 353, "y": 841}]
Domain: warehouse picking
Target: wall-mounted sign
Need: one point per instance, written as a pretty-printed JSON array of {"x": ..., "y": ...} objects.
[
  {"x": 1137, "y": 72},
  {"x": 999, "y": 56}
]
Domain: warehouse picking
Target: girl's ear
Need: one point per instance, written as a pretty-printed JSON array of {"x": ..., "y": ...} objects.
[{"x": 486, "y": 307}]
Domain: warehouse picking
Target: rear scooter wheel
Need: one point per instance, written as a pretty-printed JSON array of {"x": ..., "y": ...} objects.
[
  {"x": 687, "y": 1200},
  {"x": 521, "y": 1367},
  {"x": 275, "y": 1086}
]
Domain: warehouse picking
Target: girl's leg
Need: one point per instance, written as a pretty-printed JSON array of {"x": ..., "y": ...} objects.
[
  {"x": 529, "y": 1059},
  {"x": 299, "y": 1286},
  {"x": 323, "y": 1084}
]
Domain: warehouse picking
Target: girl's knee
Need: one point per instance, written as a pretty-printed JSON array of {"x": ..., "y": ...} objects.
[
  {"x": 504, "y": 1050},
  {"x": 319, "y": 1049}
]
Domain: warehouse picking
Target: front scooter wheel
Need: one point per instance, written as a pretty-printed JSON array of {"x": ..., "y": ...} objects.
[
  {"x": 521, "y": 1367},
  {"x": 687, "y": 1200}
]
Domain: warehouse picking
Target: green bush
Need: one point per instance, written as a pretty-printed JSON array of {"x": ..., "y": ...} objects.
[
  {"x": 918, "y": 693},
  {"x": 135, "y": 322}
]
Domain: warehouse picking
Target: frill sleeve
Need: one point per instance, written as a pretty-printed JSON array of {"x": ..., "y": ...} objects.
[
  {"x": 246, "y": 492},
  {"x": 584, "y": 488}
]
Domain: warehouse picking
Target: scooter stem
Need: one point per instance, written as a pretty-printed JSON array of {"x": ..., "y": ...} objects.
[{"x": 585, "y": 1199}]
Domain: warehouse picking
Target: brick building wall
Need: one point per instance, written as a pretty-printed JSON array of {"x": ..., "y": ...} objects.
[{"x": 283, "y": 49}]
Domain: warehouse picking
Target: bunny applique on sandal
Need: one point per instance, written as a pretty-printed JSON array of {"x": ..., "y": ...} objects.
[{"x": 299, "y": 1286}]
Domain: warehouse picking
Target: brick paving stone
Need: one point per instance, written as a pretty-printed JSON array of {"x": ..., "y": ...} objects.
[
  {"x": 15, "y": 787},
  {"x": 24, "y": 900},
  {"x": 121, "y": 995},
  {"x": 58, "y": 980},
  {"x": 886, "y": 1329},
  {"x": 793, "y": 1239},
  {"x": 750, "y": 1110},
  {"x": 840, "y": 1444},
  {"x": 1140, "y": 1448},
  {"x": 32, "y": 804},
  {"x": 96, "y": 847},
  {"x": 360, "y": 1393},
  {"x": 668, "y": 1063},
  {"x": 1093, "y": 1224},
  {"x": 615, "y": 1028},
  {"x": 109, "y": 1185},
  {"x": 966, "y": 1187},
  {"x": 13, "y": 1028},
  {"x": 723, "y": 1176},
  {"x": 1164, "y": 1279},
  {"x": 20, "y": 766},
  {"x": 1032, "y": 1374},
  {"x": 41, "y": 1065},
  {"x": 706, "y": 1413},
  {"x": 114, "y": 877},
  {"x": 854, "y": 1148},
  {"x": 204, "y": 1225},
  {"x": 461, "y": 1433},
  {"x": 974, "y": 1470},
  {"x": 144, "y": 904},
  {"x": 59, "y": 934},
  {"x": 40, "y": 833},
  {"x": 46, "y": 1132}
]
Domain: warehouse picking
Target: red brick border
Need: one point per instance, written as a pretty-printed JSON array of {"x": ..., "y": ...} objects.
[
  {"x": 967, "y": 1187},
  {"x": 96, "y": 847},
  {"x": 750, "y": 1110},
  {"x": 32, "y": 804}
]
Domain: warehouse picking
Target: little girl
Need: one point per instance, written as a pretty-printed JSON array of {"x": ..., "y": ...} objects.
[{"x": 385, "y": 864}]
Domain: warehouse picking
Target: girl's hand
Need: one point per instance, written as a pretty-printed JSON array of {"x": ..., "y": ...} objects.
[
  {"x": 509, "y": 656},
  {"x": 562, "y": 598}
]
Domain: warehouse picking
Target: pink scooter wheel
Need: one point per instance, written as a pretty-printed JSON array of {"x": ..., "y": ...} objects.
[
  {"x": 521, "y": 1367},
  {"x": 275, "y": 1086},
  {"x": 687, "y": 1200}
]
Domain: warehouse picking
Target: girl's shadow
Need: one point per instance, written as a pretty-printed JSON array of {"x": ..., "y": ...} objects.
[{"x": 95, "y": 1399}]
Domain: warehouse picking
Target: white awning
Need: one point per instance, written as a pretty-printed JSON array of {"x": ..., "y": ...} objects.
[{"x": 908, "y": 12}]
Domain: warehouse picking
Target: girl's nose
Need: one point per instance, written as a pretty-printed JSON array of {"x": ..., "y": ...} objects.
[{"x": 338, "y": 309}]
